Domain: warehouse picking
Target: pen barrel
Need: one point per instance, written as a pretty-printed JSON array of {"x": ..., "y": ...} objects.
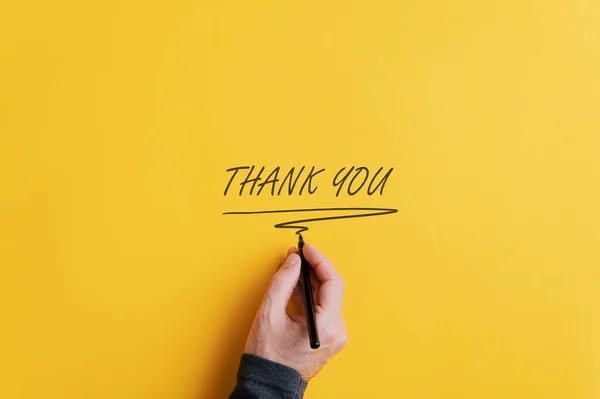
[{"x": 311, "y": 322}]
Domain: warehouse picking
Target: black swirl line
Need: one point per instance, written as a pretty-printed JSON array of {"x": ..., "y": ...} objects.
[{"x": 294, "y": 224}]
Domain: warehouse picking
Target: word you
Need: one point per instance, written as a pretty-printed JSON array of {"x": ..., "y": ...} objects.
[{"x": 253, "y": 181}]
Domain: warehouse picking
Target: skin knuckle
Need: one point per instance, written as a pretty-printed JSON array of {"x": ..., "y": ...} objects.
[
  {"x": 266, "y": 316},
  {"x": 343, "y": 340},
  {"x": 329, "y": 336},
  {"x": 276, "y": 281}
]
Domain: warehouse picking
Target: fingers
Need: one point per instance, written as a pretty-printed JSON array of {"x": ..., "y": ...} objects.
[
  {"x": 292, "y": 250},
  {"x": 323, "y": 267},
  {"x": 281, "y": 287},
  {"x": 331, "y": 290}
]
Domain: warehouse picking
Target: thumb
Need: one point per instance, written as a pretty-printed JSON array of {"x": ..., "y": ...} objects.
[{"x": 282, "y": 284}]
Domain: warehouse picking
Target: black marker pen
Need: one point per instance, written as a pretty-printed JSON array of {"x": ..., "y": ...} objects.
[{"x": 311, "y": 321}]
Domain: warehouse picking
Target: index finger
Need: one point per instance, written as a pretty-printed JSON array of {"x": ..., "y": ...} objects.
[{"x": 331, "y": 290}]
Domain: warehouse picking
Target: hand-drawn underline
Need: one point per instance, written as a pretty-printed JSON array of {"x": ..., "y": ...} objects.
[{"x": 292, "y": 224}]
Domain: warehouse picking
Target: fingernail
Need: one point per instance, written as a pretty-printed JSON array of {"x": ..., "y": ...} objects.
[{"x": 292, "y": 260}]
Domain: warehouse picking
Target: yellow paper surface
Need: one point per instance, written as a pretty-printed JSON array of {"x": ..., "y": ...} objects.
[{"x": 121, "y": 278}]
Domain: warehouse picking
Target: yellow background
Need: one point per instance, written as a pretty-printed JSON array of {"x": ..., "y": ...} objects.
[{"x": 120, "y": 277}]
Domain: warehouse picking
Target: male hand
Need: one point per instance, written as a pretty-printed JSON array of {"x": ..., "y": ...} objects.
[{"x": 283, "y": 338}]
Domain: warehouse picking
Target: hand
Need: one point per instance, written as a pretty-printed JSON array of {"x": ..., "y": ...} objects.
[{"x": 283, "y": 338}]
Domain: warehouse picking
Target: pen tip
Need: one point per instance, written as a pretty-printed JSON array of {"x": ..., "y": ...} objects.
[{"x": 300, "y": 238}]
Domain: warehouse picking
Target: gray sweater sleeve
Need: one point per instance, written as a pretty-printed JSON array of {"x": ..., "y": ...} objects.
[{"x": 259, "y": 378}]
